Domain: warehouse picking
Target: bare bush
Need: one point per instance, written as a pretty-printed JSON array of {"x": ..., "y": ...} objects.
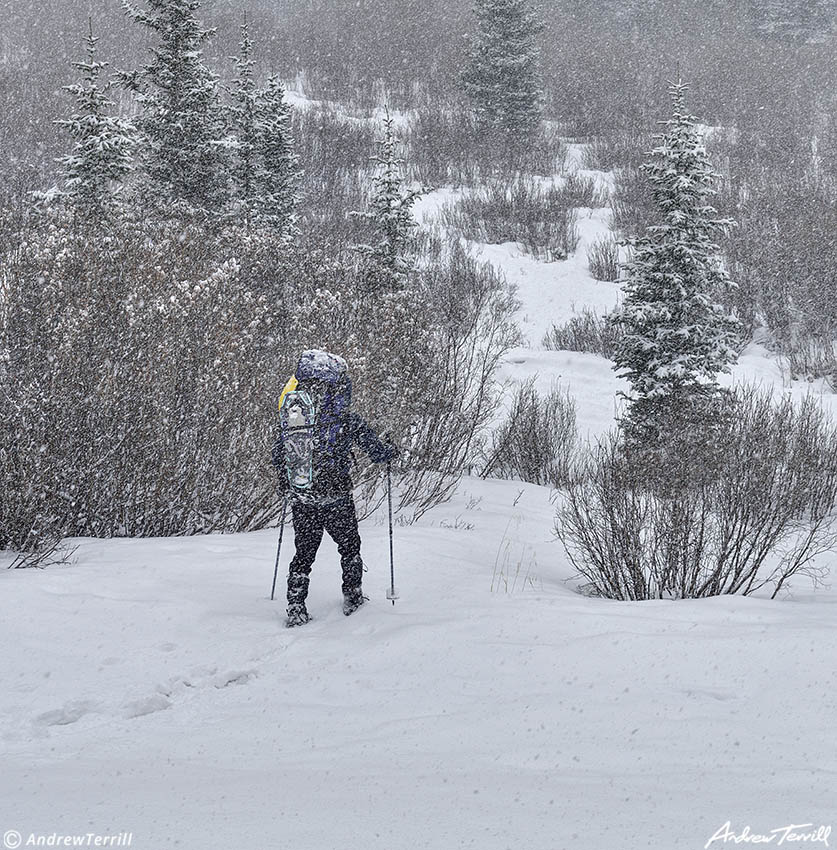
[
  {"x": 758, "y": 513},
  {"x": 335, "y": 157},
  {"x": 423, "y": 361},
  {"x": 812, "y": 355},
  {"x": 603, "y": 259},
  {"x": 446, "y": 147},
  {"x": 779, "y": 256},
  {"x": 617, "y": 149},
  {"x": 632, "y": 203},
  {"x": 587, "y": 331},
  {"x": 139, "y": 372},
  {"x": 536, "y": 440},
  {"x": 541, "y": 220}
]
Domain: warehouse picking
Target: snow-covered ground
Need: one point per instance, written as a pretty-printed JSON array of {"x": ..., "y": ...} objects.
[{"x": 150, "y": 687}]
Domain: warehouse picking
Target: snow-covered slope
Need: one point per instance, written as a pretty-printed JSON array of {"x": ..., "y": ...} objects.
[{"x": 150, "y": 688}]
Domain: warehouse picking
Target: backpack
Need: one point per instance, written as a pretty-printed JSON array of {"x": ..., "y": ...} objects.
[{"x": 313, "y": 408}]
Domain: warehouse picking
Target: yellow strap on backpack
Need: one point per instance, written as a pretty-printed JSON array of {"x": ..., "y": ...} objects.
[{"x": 289, "y": 388}]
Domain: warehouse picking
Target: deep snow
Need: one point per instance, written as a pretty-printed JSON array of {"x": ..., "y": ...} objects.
[{"x": 151, "y": 688}]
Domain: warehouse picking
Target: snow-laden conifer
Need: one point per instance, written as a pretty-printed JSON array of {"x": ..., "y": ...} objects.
[
  {"x": 180, "y": 117},
  {"x": 502, "y": 75},
  {"x": 276, "y": 176},
  {"x": 263, "y": 165},
  {"x": 390, "y": 209},
  {"x": 103, "y": 143},
  {"x": 676, "y": 337}
]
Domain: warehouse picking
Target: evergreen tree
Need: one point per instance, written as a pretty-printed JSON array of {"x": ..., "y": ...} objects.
[
  {"x": 676, "y": 338},
  {"x": 180, "y": 118},
  {"x": 277, "y": 175},
  {"x": 502, "y": 76},
  {"x": 102, "y": 153},
  {"x": 264, "y": 171},
  {"x": 390, "y": 210},
  {"x": 241, "y": 138}
]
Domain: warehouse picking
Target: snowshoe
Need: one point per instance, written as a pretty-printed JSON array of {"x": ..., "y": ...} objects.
[
  {"x": 352, "y": 600},
  {"x": 297, "y": 615}
]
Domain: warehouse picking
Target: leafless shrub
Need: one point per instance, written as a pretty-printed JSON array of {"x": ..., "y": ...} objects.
[
  {"x": 603, "y": 259},
  {"x": 446, "y": 147},
  {"x": 632, "y": 204},
  {"x": 334, "y": 155},
  {"x": 617, "y": 149},
  {"x": 46, "y": 552},
  {"x": 469, "y": 311},
  {"x": 579, "y": 191},
  {"x": 139, "y": 373},
  {"x": 812, "y": 356},
  {"x": 779, "y": 256},
  {"x": 536, "y": 440},
  {"x": 586, "y": 331},
  {"x": 759, "y": 513},
  {"x": 541, "y": 220}
]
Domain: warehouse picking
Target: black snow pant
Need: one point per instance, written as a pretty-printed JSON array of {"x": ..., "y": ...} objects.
[{"x": 310, "y": 520}]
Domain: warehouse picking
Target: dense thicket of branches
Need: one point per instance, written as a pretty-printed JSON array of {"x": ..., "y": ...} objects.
[{"x": 152, "y": 305}]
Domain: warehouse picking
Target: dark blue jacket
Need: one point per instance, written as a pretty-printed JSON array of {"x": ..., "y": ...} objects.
[{"x": 332, "y": 478}]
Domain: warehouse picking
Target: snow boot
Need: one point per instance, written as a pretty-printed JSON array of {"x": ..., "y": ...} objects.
[
  {"x": 297, "y": 615},
  {"x": 352, "y": 600}
]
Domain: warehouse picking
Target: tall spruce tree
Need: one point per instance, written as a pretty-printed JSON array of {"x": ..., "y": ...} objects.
[
  {"x": 241, "y": 128},
  {"x": 180, "y": 118},
  {"x": 264, "y": 166},
  {"x": 390, "y": 210},
  {"x": 277, "y": 174},
  {"x": 103, "y": 144},
  {"x": 502, "y": 75},
  {"x": 676, "y": 337}
]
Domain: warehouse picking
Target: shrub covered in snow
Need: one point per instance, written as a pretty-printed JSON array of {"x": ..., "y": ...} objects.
[
  {"x": 749, "y": 510},
  {"x": 141, "y": 368}
]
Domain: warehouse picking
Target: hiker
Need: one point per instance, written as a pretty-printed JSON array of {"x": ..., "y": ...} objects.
[{"x": 312, "y": 454}]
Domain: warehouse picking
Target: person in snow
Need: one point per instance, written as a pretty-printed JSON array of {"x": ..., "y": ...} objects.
[{"x": 312, "y": 454}]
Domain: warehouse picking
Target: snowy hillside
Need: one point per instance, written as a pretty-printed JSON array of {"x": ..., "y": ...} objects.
[{"x": 151, "y": 689}]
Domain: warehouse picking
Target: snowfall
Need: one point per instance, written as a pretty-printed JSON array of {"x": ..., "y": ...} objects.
[{"x": 153, "y": 698}]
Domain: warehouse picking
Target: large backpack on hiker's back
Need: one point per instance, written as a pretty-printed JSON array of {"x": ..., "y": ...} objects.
[{"x": 312, "y": 411}]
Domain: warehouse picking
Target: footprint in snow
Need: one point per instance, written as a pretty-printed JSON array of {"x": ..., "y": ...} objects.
[
  {"x": 70, "y": 713},
  {"x": 234, "y": 677},
  {"x": 142, "y": 707}
]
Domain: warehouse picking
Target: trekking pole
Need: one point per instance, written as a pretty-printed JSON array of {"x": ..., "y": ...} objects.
[
  {"x": 279, "y": 547},
  {"x": 391, "y": 593}
]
